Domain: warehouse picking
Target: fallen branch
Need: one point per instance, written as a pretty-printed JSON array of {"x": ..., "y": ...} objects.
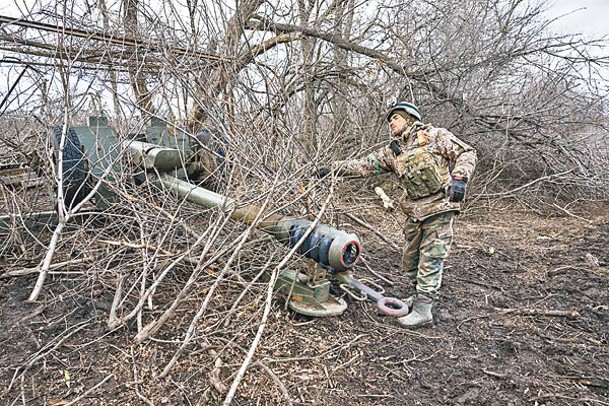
[
  {"x": 28, "y": 271},
  {"x": 282, "y": 388},
  {"x": 558, "y": 270},
  {"x": 567, "y": 212},
  {"x": 86, "y": 393},
  {"x": 152, "y": 248},
  {"x": 404, "y": 362},
  {"x": 495, "y": 374}
]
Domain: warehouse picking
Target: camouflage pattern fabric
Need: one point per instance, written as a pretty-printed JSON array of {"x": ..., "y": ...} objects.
[
  {"x": 428, "y": 245},
  {"x": 429, "y": 229},
  {"x": 448, "y": 152}
]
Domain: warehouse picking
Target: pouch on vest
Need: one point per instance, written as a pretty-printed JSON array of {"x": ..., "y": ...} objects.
[{"x": 422, "y": 176}]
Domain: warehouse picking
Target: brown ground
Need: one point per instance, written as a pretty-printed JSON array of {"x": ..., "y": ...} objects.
[{"x": 522, "y": 320}]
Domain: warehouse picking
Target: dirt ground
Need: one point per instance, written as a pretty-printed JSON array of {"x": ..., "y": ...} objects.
[{"x": 522, "y": 320}]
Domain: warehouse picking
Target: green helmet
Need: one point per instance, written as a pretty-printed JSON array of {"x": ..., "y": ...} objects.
[{"x": 409, "y": 108}]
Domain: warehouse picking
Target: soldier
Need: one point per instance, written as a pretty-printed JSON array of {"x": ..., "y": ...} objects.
[{"x": 422, "y": 157}]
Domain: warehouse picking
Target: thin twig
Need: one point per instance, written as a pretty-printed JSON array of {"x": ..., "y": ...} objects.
[
  {"x": 46, "y": 350},
  {"x": 282, "y": 388},
  {"x": 231, "y": 311},
  {"x": 86, "y": 393},
  {"x": 510, "y": 192},
  {"x": 374, "y": 230},
  {"x": 495, "y": 374},
  {"x": 373, "y": 272},
  {"x": 571, "y": 214},
  {"x": 28, "y": 271}
]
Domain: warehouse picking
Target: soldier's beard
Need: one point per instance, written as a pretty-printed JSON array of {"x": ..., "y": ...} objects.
[{"x": 399, "y": 133}]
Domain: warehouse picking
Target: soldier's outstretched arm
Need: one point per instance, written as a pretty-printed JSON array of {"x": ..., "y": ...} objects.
[{"x": 376, "y": 163}]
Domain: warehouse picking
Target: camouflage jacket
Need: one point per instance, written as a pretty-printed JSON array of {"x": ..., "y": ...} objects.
[{"x": 451, "y": 155}]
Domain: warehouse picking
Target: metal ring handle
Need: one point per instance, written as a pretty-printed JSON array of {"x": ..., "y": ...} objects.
[{"x": 391, "y": 306}]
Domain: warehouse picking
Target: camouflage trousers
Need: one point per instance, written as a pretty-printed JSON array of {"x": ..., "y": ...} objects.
[{"x": 427, "y": 245}]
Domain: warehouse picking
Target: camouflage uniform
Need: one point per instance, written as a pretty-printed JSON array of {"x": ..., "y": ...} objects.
[{"x": 429, "y": 229}]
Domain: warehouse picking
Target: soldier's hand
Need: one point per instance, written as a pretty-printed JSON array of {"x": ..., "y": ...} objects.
[
  {"x": 322, "y": 172},
  {"x": 395, "y": 147},
  {"x": 457, "y": 189}
]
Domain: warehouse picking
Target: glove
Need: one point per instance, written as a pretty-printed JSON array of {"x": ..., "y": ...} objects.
[
  {"x": 395, "y": 147},
  {"x": 322, "y": 172},
  {"x": 457, "y": 189}
]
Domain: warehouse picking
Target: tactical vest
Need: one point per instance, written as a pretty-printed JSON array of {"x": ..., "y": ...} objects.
[{"x": 419, "y": 171}]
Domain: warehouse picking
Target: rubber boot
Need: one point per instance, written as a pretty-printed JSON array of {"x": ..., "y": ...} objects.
[
  {"x": 420, "y": 314},
  {"x": 409, "y": 301}
]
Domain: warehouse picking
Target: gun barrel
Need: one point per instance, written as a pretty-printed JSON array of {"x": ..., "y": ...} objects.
[
  {"x": 151, "y": 156},
  {"x": 326, "y": 245}
]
